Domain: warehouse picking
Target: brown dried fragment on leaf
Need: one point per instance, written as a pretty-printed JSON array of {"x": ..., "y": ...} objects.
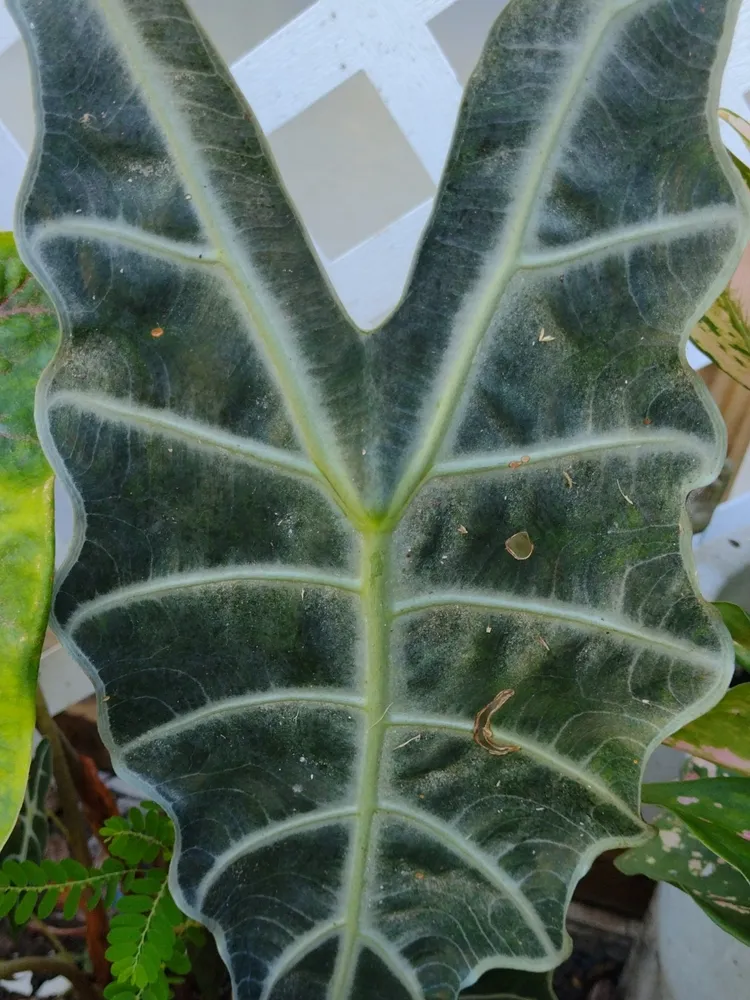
[
  {"x": 462, "y": 530},
  {"x": 543, "y": 642},
  {"x": 568, "y": 479},
  {"x": 520, "y": 546},
  {"x": 483, "y": 727},
  {"x": 157, "y": 332},
  {"x": 545, "y": 338}
]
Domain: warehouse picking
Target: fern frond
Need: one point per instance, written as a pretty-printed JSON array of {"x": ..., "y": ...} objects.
[
  {"x": 143, "y": 937},
  {"x": 141, "y": 836},
  {"x": 27, "y": 888}
]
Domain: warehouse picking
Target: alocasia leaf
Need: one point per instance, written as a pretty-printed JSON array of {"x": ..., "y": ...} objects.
[
  {"x": 388, "y": 622},
  {"x": 28, "y": 840},
  {"x": 674, "y": 855},
  {"x": 721, "y": 736},
  {"x": 28, "y": 336}
]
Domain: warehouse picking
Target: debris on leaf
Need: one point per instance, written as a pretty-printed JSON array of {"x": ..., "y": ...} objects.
[
  {"x": 568, "y": 479},
  {"x": 157, "y": 332},
  {"x": 483, "y": 726},
  {"x": 647, "y": 421},
  {"x": 414, "y": 739},
  {"x": 462, "y": 530},
  {"x": 488, "y": 629},
  {"x": 514, "y": 465},
  {"x": 520, "y": 546},
  {"x": 545, "y": 338},
  {"x": 525, "y": 459},
  {"x": 543, "y": 642},
  {"x": 624, "y": 494}
]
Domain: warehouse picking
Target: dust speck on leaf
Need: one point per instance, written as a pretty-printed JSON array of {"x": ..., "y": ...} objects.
[
  {"x": 687, "y": 800},
  {"x": 520, "y": 546},
  {"x": 488, "y": 629}
]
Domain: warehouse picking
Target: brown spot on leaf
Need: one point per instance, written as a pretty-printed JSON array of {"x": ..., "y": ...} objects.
[
  {"x": 483, "y": 726},
  {"x": 157, "y": 332},
  {"x": 520, "y": 546}
]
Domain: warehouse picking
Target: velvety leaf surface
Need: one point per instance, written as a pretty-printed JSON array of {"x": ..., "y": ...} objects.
[
  {"x": 28, "y": 336},
  {"x": 388, "y": 622},
  {"x": 716, "y": 810},
  {"x": 675, "y": 855},
  {"x": 28, "y": 840},
  {"x": 721, "y": 736}
]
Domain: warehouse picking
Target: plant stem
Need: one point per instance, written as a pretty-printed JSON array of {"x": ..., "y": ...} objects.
[
  {"x": 53, "y": 967},
  {"x": 66, "y": 789},
  {"x": 41, "y": 928},
  {"x": 70, "y": 804}
]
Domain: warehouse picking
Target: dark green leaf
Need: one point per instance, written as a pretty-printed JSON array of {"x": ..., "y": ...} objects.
[
  {"x": 47, "y": 903},
  {"x": 179, "y": 963},
  {"x": 16, "y": 871},
  {"x": 375, "y": 611},
  {"x": 134, "y": 904},
  {"x": 29, "y": 836},
  {"x": 25, "y": 907},
  {"x": 72, "y": 902}
]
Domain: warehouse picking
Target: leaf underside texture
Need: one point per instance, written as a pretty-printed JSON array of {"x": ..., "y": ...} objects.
[{"x": 291, "y": 577}]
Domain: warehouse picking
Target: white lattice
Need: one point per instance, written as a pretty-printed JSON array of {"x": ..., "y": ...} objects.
[{"x": 395, "y": 43}]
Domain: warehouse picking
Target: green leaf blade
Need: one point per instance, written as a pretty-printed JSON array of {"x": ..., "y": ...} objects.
[
  {"x": 676, "y": 856},
  {"x": 28, "y": 335},
  {"x": 315, "y": 524},
  {"x": 716, "y": 810}
]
